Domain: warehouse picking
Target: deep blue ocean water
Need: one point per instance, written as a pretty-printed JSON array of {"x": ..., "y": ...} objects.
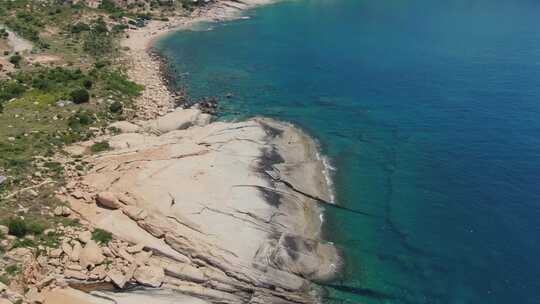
[{"x": 430, "y": 112}]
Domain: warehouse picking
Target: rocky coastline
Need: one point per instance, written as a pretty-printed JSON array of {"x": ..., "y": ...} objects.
[
  {"x": 199, "y": 211},
  {"x": 228, "y": 211}
]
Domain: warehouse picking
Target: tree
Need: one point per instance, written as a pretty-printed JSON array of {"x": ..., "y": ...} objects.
[
  {"x": 15, "y": 59},
  {"x": 80, "y": 96}
]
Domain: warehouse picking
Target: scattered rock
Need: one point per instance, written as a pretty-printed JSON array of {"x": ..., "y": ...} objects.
[
  {"x": 32, "y": 192},
  {"x": 63, "y": 103},
  {"x": 66, "y": 248},
  {"x": 142, "y": 257},
  {"x": 19, "y": 254},
  {"x": 55, "y": 253},
  {"x": 76, "y": 253},
  {"x": 3, "y": 287},
  {"x": 85, "y": 236},
  {"x": 45, "y": 282},
  {"x": 34, "y": 297},
  {"x": 99, "y": 272},
  {"x": 76, "y": 267},
  {"x": 122, "y": 252},
  {"x": 125, "y": 127},
  {"x": 91, "y": 255},
  {"x": 78, "y": 194},
  {"x": 4, "y": 230},
  {"x": 74, "y": 274},
  {"x": 117, "y": 278},
  {"x": 203, "y": 120},
  {"x": 149, "y": 276},
  {"x": 48, "y": 231},
  {"x": 13, "y": 296},
  {"x": 107, "y": 252},
  {"x": 135, "y": 249},
  {"x": 62, "y": 211}
]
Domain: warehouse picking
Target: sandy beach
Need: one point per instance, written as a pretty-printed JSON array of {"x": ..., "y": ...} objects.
[{"x": 145, "y": 69}]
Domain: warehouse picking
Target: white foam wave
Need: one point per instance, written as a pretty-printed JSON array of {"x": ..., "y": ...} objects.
[{"x": 328, "y": 170}]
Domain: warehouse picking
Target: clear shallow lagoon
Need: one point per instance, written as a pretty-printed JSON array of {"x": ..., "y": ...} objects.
[{"x": 430, "y": 113}]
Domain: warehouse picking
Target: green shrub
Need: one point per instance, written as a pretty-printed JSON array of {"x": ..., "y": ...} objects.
[
  {"x": 11, "y": 89},
  {"x": 36, "y": 228},
  {"x": 80, "y": 119},
  {"x": 101, "y": 236},
  {"x": 101, "y": 64},
  {"x": 116, "y": 107},
  {"x": 117, "y": 28},
  {"x": 17, "y": 227},
  {"x": 109, "y": 6},
  {"x": 98, "y": 41},
  {"x": 20, "y": 228},
  {"x": 114, "y": 130},
  {"x": 27, "y": 243},
  {"x": 3, "y": 33},
  {"x": 116, "y": 81},
  {"x": 87, "y": 83},
  {"x": 79, "y": 27},
  {"x": 51, "y": 239},
  {"x": 41, "y": 83},
  {"x": 15, "y": 59},
  {"x": 12, "y": 269},
  {"x": 79, "y": 96},
  {"x": 100, "y": 147}
]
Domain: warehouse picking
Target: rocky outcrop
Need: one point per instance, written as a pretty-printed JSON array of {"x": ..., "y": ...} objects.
[
  {"x": 108, "y": 200},
  {"x": 179, "y": 119},
  {"x": 229, "y": 211}
]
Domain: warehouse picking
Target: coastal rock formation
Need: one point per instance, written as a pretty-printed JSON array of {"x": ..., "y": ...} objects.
[{"x": 229, "y": 211}]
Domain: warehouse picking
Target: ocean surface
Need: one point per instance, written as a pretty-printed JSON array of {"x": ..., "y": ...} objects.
[{"x": 428, "y": 110}]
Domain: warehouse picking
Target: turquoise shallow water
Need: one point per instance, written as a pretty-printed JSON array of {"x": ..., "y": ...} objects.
[{"x": 430, "y": 113}]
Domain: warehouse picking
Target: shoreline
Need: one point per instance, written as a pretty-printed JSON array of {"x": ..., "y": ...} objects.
[
  {"x": 141, "y": 50},
  {"x": 267, "y": 177},
  {"x": 222, "y": 212},
  {"x": 144, "y": 39},
  {"x": 157, "y": 99}
]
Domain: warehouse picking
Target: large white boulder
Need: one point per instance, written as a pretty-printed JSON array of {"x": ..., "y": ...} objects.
[
  {"x": 108, "y": 200},
  {"x": 152, "y": 276},
  {"x": 125, "y": 127},
  {"x": 180, "y": 119}
]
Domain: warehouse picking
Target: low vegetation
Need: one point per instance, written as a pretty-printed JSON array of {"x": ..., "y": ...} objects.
[
  {"x": 101, "y": 236},
  {"x": 100, "y": 147},
  {"x": 66, "y": 89},
  {"x": 46, "y": 106}
]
